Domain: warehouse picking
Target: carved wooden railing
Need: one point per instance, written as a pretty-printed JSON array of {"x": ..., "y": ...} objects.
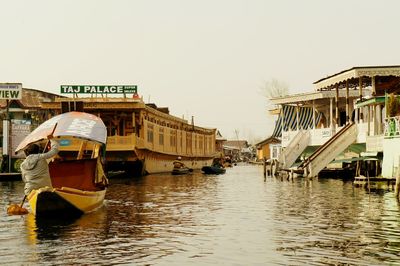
[{"x": 392, "y": 127}]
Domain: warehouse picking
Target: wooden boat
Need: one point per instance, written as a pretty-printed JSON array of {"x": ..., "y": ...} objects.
[
  {"x": 213, "y": 170},
  {"x": 78, "y": 184},
  {"x": 181, "y": 171},
  {"x": 143, "y": 138}
]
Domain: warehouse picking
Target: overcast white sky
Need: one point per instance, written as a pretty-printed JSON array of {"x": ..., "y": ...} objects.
[{"x": 203, "y": 58}]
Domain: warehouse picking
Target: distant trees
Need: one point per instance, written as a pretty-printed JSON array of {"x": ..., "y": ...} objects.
[{"x": 275, "y": 88}]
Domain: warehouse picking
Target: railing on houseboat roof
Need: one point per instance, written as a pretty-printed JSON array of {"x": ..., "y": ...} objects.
[{"x": 129, "y": 143}]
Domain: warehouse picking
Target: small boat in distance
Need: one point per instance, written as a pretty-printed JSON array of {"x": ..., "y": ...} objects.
[
  {"x": 180, "y": 168},
  {"x": 77, "y": 175},
  {"x": 216, "y": 170},
  {"x": 181, "y": 171}
]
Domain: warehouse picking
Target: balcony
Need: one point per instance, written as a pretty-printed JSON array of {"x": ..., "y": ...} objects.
[
  {"x": 121, "y": 143},
  {"x": 366, "y": 133},
  {"x": 114, "y": 143}
]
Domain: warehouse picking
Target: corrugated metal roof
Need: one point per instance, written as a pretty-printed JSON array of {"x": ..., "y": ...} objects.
[{"x": 32, "y": 98}]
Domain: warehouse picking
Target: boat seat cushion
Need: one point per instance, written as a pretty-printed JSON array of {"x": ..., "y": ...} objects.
[{"x": 79, "y": 174}]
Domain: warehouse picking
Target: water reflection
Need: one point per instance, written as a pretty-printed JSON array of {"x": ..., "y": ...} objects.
[
  {"x": 233, "y": 219},
  {"x": 136, "y": 217},
  {"x": 326, "y": 227}
]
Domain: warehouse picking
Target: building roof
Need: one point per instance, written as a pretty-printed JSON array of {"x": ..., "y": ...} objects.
[
  {"x": 355, "y": 73},
  {"x": 236, "y": 143},
  {"x": 317, "y": 95},
  {"x": 268, "y": 141},
  {"x": 32, "y": 98},
  {"x": 219, "y": 137}
]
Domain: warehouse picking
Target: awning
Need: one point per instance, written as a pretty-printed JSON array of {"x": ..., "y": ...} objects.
[
  {"x": 371, "y": 101},
  {"x": 289, "y": 119}
]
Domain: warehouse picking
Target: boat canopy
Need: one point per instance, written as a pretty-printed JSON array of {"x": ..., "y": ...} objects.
[
  {"x": 72, "y": 124},
  {"x": 288, "y": 119}
]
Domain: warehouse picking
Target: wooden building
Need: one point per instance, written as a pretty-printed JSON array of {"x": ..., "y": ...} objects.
[{"x": 268, "y": 148}]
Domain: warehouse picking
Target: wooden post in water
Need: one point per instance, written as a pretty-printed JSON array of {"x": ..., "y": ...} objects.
[
  {"x": 265, "y": 167},
  {"x": 369, "y": 184},
  {"x": 273, "y": 167},
  {"x": 397, "y": 188},
  {"x": 290, "y": 175},
  {"x": 270, "y": 166}
]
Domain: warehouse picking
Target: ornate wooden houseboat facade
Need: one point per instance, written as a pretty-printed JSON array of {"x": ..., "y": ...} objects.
[{"x": 142, "y": 138}]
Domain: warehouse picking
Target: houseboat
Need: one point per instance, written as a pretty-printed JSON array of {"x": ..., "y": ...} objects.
[
  {"x": 343, "y": 120},
  {"x": 142, "y": 138}
]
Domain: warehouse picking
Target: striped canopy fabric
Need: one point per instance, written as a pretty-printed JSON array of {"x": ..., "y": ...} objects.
[{"x": 289, "y": 119}]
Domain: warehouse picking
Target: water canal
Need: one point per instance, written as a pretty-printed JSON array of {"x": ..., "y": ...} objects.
[{"x": 233, "y": 219}]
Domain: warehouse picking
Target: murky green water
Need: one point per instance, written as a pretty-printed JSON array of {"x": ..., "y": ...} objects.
[{"x": 233, "y": 219}]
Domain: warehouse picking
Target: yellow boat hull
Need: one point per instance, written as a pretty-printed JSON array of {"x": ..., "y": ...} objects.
[{"x": 65, "y": 201}]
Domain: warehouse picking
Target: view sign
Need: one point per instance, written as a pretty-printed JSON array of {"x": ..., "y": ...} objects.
[
  {"x": 11, "y": 91},
  {"x": 106, "y": 89}
]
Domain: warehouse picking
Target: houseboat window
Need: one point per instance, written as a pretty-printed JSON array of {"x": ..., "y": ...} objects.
[
  {"x": 161, "y": 136},
  {"x": 150, "y": 134},
  {"x": 274, "y": 152},
  {"x": 189, "y": 143},
  {"x": 172, "y": 138}
]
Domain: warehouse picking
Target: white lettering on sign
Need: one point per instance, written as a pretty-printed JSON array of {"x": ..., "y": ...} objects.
[
  {"x": 81, "y": 127},
  {"x": 69, "y": 89},
  {"x": 113, "y": 89},
  {"x": 103, "y": 89}
]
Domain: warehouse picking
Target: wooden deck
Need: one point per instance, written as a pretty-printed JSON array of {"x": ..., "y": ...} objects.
[{"x": 374, "y": 182}]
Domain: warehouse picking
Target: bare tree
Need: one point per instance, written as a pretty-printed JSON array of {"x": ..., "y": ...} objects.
[
  {"x": 237, "y": 134},
  {"x": 275, "y": 88}
]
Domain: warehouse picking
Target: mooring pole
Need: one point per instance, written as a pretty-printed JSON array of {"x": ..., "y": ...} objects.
[
  {"x": 397, "y": 181},
  {"x": 8, "y": 136},
  {"x": 265, "y": 166}
]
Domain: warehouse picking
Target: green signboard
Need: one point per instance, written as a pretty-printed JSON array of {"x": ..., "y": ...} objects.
[{"x": 106, "y": 89}]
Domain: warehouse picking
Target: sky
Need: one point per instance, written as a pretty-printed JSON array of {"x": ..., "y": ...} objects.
[{"x": 208, "y": 59}]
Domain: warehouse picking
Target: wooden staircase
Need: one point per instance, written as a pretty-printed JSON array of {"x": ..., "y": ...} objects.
[{"x": 329, "y": 150}]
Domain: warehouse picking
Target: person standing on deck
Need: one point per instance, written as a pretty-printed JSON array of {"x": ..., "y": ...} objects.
[{"x": 35, "y": 169}]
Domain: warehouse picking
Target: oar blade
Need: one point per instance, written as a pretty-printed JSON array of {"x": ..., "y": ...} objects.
[{"x": 15, "y": 209}]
